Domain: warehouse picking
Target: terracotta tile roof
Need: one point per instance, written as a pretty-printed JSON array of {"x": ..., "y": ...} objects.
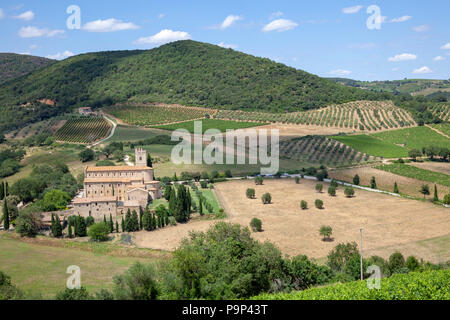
[
  {"x": 117, "y": 168},
  {"x": 137, "y": 186},
  {"x": 89, "y": 200}
]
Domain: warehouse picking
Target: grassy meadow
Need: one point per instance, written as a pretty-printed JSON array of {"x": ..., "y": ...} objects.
[{"x": 373, "y": 146}]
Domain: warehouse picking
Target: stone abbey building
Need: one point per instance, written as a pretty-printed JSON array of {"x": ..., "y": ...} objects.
[{"x": 116, "y": 189}]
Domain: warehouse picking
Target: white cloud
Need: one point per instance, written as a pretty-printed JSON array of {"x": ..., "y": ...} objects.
[
  {"x": 439, "y": 58},
  {"x": 422, "y": 70},
  {"x": 352, "y": 10},
  {"x": 228, "y": 46},
  {"x": 164, "y": 36},
  {"x": 2, "y": 14},
  {"x": 109, "y": 25},
  {"x": 340, "y": 72},
  {"x": 401, "y": 19},
  {"x": 446, "y": 46},
  {"x": 229, "y": 21},
  {"x": 33, "y": 32},
  {"x": 276, "y": 15},
  {"x": 60, "y": 56},
  {"x": 421, "y": 28},
  {"x": 280, "y": 25},
  {"x": 26, "y": 16},
  {"x": 161, "y": 15},
  {"x": 402, "y": 57}
]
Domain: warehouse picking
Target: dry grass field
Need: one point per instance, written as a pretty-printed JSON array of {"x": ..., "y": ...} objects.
[
  {"x": 443, "y": 167},
  {"x": 385, "y": 180},
  {"x": 389, "y": 223}
]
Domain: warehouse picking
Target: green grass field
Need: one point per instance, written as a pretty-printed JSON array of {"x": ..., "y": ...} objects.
[
  {"x": 126, "y": 133},
  {"x": 41, "y": 269},
  {"x": 414, "y": 138},
  {"x": 442, "y": 127},
  {"x": 221, "y": 125},
  {"x": 416, "y": 173},
  {"x": 375, "y": 147}
]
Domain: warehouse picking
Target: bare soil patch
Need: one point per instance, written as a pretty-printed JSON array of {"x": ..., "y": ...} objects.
[{"x": 389, "y": 223}]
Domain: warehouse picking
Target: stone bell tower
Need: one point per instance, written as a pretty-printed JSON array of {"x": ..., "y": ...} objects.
[{"x": 141, "y": 157}]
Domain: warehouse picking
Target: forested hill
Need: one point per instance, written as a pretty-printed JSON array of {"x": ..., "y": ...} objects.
[
  {"x": 184, "y": 72},
  {"x": 16, "y": 65}
]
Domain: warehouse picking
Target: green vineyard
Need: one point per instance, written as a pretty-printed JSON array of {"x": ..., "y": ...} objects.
[
  {"x": 319, "y": 149},
  {"x": 83, "y": 130},
  {"x": 359, "y": 115},
  {"x": 150, "y": 115},
  {"x": 441, "y": 111}
]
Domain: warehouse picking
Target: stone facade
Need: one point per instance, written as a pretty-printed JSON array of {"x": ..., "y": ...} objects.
[{"x": 117, "y": 189}]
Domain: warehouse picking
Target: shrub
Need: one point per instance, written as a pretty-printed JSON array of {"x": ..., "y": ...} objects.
[
  {"x": 256, "y": 225},
  {"x": 447, "y": 199},
  {"x": 349, "y": 192},
  {"x": 356, "y": 180},
  {"x": 334, "y": 183},
  {"x": 304, "y": 205},
  {"x": 204, "y": 184},
  {"x": 74, "y": 294},
  {"x": 297, "y": 180},
  {"x": 250, "y": 193},
  {"x": 412, "y": 264},
  {"x": 89, "y": 221},
  {"x": 98, "y": 232},
  {"x": 332, "y": 191},
  {"x": 8, "y": 291},
  {"x": 396, "y": 262},
  {"x": 319, "y": 204},
  {"x": 306, "y": 274},
  {"x": 266, "y": 198},
  {"x": 319, "y": 187},
  {"x": 321, "y": 175},
  {"x": 259, "y": 181},
  {"x": 373, "y": 183},
  {"x": 425, "y": 190},
  {"x": 137, "y": 283}
]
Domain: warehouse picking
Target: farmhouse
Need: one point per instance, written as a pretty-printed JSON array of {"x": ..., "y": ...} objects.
[{"x": 116, "y": 189}]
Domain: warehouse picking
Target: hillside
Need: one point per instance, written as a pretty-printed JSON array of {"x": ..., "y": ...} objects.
[
  {"x": 184, "y": 72},
  {"x": 409, "y": 86},
  {"x": 16, "y": 65}
]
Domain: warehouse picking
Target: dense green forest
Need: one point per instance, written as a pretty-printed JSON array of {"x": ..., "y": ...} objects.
[
  {"x": 16, "y": 65},
  {"x": 185, "y": 72}
]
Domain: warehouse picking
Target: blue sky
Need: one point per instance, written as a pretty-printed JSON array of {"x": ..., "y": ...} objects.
[{"x": 325, "y": 37}]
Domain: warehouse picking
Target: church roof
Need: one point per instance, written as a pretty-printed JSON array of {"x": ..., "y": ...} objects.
[
  {"x": 108, "y": 179},
  {"x": 118, "y": 168}
]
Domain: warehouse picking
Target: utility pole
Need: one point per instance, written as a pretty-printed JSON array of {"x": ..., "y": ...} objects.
[{"x": 361, "y": 254}]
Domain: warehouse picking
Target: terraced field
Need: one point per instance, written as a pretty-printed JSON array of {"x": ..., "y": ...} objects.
[
  {"x": 319, "y": 149},
  {"x": 442, "y": 127},
  {"x": 156, "y": 114},
  {"x": 360, "y": 115},
  {"x": 83, "y": 130}
]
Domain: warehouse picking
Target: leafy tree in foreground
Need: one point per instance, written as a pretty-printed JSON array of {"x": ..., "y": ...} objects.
[
  {"x": 74, "y": 294},
  {"x": 28, "y": 224},
  {"x": 339, "y": 256}
]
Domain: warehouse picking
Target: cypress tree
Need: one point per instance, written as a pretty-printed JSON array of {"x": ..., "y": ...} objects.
[
  {"x": 53, "y": 228},
  {"x": 167, "y": 192},
  {"x": 58, "y": 227},
  {"x": 70, "y": 231},
  {"x": 436, "y": 197},
  {"x": 373, "y": 183},
  {"x": 76, "y": 227},
  {"x": 2, "y": 190},
  {"x": 6, "y": 189},
  {"x": 200, "y": 210},
  {"x": 149, "y": 161},
  {"x": 117, "y": 227},
  {"x": 82, "y": 225},
  {"x": 5, "y": 215},
  {"x": 153, "y": 221},
  {"x": 111, "y": 224},
  {"x": 104, "y": 220},
  {"x": 396, "y": 188},
  {"x": 135, "y": 221},
  {"x": 172, "y": 201},
  {"x": 123, "y": 225},
  {"x": 128, "y": 224},
  {"x": 141, "y": 227},
  {"x": 146, "y": 221}
]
